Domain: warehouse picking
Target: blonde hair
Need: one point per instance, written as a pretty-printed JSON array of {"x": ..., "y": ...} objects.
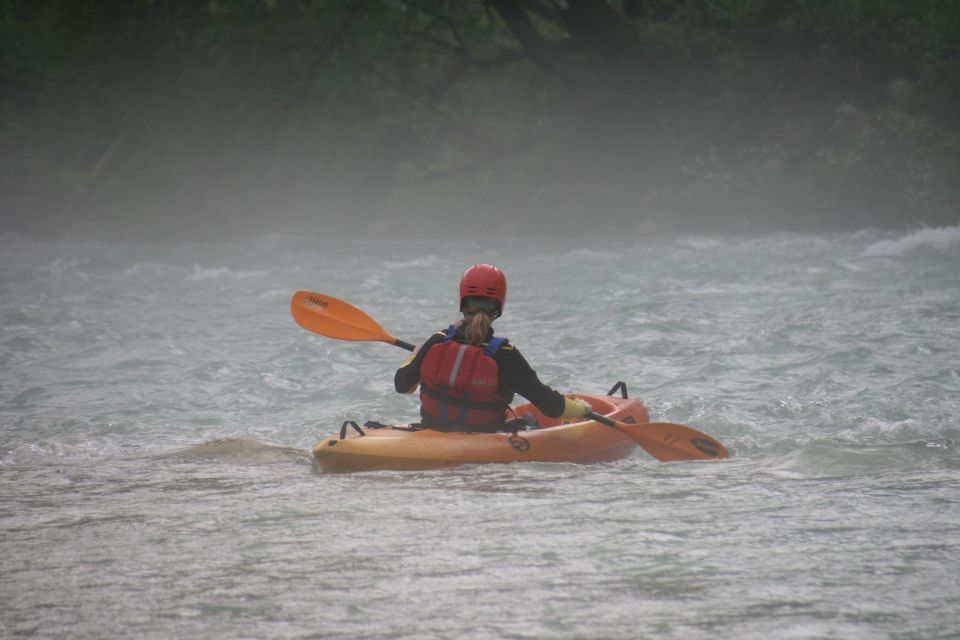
[{"x": 475, "y": 326}]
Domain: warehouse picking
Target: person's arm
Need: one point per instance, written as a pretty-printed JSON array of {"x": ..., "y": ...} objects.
[
  {"x": 520, "y": 378},
  {"x": 408, "y": 375}
]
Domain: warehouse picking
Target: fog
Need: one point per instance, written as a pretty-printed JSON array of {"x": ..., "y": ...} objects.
[{"x": 415, "y": 118}]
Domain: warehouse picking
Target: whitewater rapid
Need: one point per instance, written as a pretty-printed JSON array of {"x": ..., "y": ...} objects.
[{"x": 158, "y": 405}]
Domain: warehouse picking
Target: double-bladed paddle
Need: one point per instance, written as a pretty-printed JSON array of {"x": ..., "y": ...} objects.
[{"x": 333, "y": 318}]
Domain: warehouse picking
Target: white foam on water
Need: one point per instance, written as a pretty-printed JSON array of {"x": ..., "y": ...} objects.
[
  {"x": 421, "y": 262},
  {"x": 214, "y": 273},
  {"x": 944, "y": 239}
]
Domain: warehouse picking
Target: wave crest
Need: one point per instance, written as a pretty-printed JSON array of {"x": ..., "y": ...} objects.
[{"x": 938, "y": 238}]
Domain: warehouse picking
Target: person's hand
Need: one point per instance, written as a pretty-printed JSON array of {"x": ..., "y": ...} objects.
[{"x": 575, "y": 408}]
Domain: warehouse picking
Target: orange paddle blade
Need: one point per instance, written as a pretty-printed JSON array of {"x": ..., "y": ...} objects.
[
  {"x": 335, "y": 318},
  {"x": 669, "y": 442}
]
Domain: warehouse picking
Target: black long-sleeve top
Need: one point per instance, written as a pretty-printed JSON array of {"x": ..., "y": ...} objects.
[{"x": 515, "y": 376}]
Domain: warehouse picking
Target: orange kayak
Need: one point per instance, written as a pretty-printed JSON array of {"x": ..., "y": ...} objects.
[{"x": 409, "y": 447}]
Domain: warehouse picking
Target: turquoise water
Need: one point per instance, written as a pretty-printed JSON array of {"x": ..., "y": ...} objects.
[{"x": 141, "y": 387}]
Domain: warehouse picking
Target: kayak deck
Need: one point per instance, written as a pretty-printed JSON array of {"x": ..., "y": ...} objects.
[{"x": 408, "y": 448}]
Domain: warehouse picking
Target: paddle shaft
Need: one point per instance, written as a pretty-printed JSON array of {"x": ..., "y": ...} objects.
[
  {"x": 604, "y": 420},
  {"x": 593, "y": 415}
]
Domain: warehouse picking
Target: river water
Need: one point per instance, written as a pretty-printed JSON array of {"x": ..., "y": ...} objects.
[{"x": 158, "y": 404}]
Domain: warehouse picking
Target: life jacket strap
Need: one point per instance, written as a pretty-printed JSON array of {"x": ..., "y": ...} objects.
[
  {"x": 460, "y": 402},
  {"x": 490, "y": 348}
]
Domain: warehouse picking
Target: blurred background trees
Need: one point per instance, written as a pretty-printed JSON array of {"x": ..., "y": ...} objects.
[{"x": 221, "y": 116}]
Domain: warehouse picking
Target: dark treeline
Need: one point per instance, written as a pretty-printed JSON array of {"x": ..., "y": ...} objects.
[{"x": 224, "y": 115}]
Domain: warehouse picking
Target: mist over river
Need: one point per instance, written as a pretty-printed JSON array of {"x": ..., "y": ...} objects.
[{"x": 158, "y": 405}]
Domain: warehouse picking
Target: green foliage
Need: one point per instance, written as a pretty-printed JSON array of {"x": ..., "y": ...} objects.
[{"x": 248, "y": 106}]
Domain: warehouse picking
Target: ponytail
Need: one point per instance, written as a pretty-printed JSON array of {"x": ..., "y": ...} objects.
[{"x": 475, "y": 326}]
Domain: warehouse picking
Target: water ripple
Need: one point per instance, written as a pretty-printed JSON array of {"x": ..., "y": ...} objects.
[{"x": 158, "y": 405}]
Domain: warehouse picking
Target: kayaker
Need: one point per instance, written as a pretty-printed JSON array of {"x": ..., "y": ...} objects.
[{"x": 467, "y": 377}]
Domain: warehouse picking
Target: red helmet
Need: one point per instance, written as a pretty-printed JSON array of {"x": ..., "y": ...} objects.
[{"x": 484, "y": 281}]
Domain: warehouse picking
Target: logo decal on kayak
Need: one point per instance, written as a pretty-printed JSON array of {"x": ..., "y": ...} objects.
[
  {"x": 315, "y": 303},
  {"x": 520, "y": 444},
  {"x": 708, "y": 447}
]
